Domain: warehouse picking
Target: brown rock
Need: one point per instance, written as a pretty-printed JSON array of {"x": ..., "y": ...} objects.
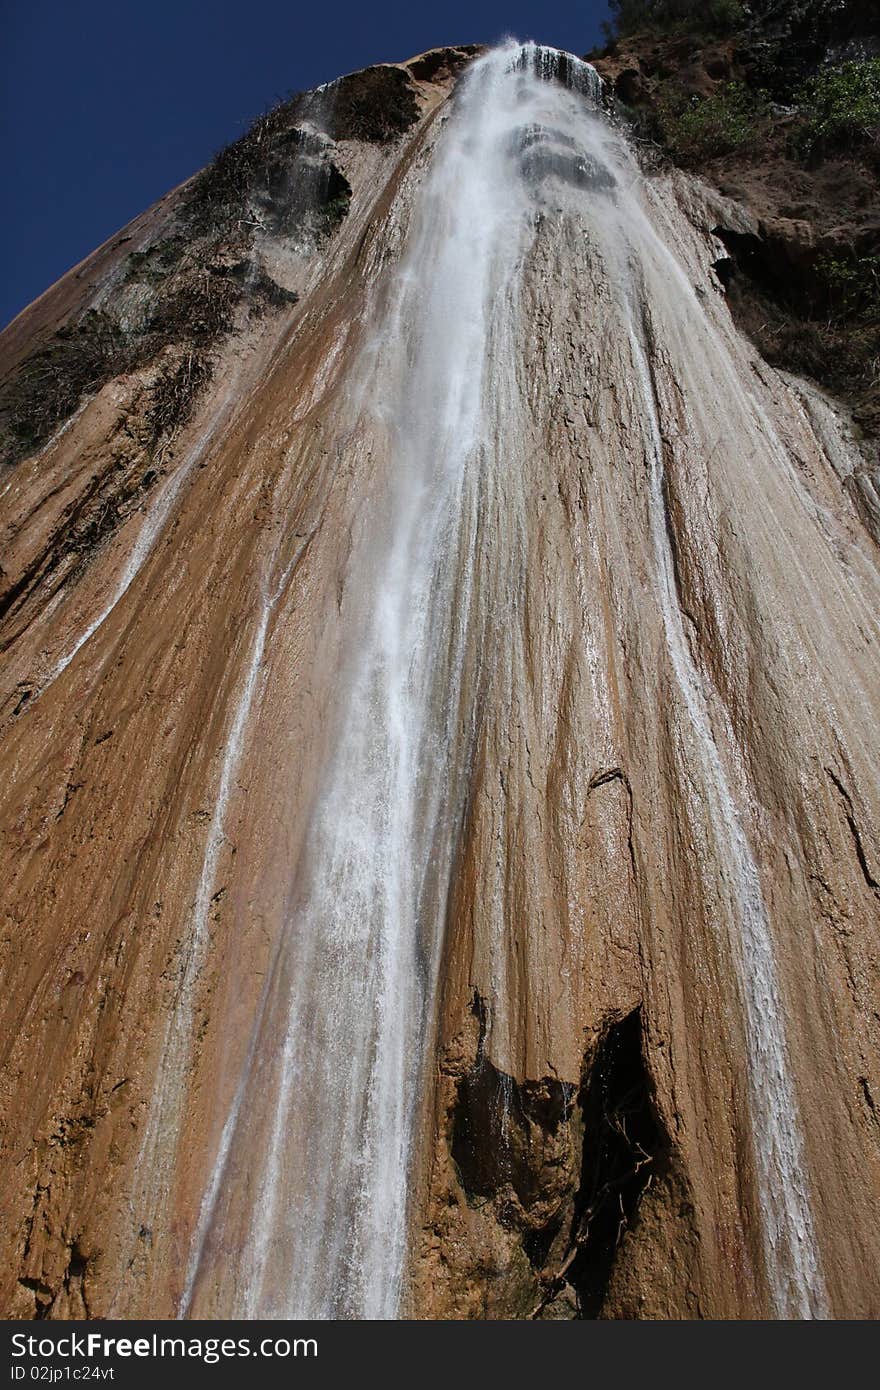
[{"x": 590, "y": 974}]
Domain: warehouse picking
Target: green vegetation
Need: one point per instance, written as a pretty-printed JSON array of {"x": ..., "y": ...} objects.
[
  {"x": 695, "y": 128},
  {"x": 192, "y": 307},
  {"x": 840, "y": 105},
  {"x": 850, "y": 285},
  {"x": 770, "y": 110},
  {"x": 688, "y": 16}
]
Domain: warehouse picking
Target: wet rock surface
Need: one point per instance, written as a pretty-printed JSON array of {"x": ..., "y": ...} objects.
[{"x": 172, "y": 669}]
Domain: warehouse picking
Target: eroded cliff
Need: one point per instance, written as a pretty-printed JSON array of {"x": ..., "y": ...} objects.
[{"x": 642, "y": 1059}]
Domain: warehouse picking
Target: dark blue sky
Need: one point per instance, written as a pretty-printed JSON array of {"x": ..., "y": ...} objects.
[{"x": 107, "y": 104}]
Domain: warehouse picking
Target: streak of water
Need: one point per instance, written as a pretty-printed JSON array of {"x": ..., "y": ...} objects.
[
  {"x": 353, "y": 990},
  {"x": 645, "y": 273},
  {"x": 157, "y": 512},
  {"x": 790, "y": 1244},
  {"x": 309, "y": 1189},
  {"x": 169, "y": 1096},
  {"x": 152, "y": 526}
]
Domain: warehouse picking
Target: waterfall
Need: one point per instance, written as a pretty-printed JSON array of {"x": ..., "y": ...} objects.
[
  {"x": 353, "y": 988},
  {"x": 321, "y": 1134},
  {"x": 792, "y": 1263}
]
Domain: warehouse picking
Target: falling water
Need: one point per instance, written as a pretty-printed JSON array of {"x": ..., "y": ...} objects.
[
  {"x": 646, "y": 275},
  {"x": 353, "y": 988},
  {"x": 792, "y": 1262},
  {"x": 320, "y": 1135}
]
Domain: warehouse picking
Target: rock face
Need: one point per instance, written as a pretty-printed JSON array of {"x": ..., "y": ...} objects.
[{"x": 648, "y": 1068}]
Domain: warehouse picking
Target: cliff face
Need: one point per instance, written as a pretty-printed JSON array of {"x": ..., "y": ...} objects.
[{"x": 418, "y": 532}]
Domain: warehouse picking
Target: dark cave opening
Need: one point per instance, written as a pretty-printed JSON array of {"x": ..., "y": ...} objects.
[
  {"x": 565, "y": 1169},
  {"x": 623, "y": 1141}
]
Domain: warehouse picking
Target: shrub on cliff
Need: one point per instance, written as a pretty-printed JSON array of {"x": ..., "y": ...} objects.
[
  {"x": 701, "y": 16},
  {"x": 277, "y": 176},
  {"x": 850, "y": 285},
  {"x": 696, "y": 128},
  {"x": 216, "y": 200},
  {"x": 841, "y": 105},
  {"x": 188, "y": 288},
  {"x": 49, "y": 384},
  {"x": 376, "y": 105}
]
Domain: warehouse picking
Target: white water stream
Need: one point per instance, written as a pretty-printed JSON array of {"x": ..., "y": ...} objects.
[
  {"x": 791, "y": 1255},
  {"x": 322, "y": 1128}
]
